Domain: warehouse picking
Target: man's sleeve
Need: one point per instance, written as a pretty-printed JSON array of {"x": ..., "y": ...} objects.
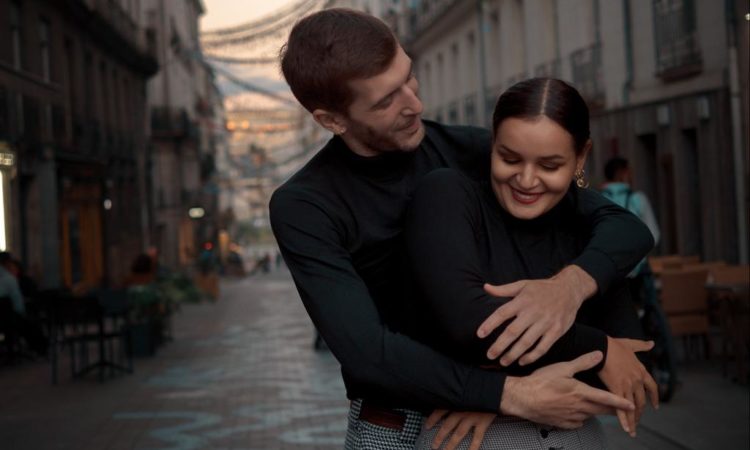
[
  {"x": 618, "y": 239},
  {"x": 440, "y": 231},
  {"x": 346, "y": 316}
]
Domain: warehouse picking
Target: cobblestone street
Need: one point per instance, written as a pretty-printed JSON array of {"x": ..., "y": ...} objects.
[{"x": 241, "y": 374}]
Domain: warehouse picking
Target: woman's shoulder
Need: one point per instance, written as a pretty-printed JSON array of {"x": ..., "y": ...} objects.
[
  {"x": 446, "y": 190},
  {"x": 446, "y": 181}
]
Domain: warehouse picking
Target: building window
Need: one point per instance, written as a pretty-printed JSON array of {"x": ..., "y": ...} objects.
[
  {"x": 16, "y": 34},
  {"x": 586, "y": 67},
  {"x": 438, "y": 116},
  {"x": 4, "y": 113},
  {"x": 453, "y": 113},
  {"x": 90, "y": 87},
  {"x": 44, "y": 53},
  {"x": 470, "y": 110},
  {"x": 677, "y": 51}
]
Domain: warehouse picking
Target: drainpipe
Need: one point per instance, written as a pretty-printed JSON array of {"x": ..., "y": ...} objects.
[
  {"x": 628, "y": 38},
  {"x": 482, "y": 106},
  {"x": 737, "y": 147}
]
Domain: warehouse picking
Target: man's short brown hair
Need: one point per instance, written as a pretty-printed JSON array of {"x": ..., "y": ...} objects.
[{"x": 328, "y": 49}]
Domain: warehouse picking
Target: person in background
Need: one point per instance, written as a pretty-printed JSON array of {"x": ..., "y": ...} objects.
[
  {"x": 9, "y": 286},
  {"x": 618, "y": 189},
  {"x": 19, "y": 321}
]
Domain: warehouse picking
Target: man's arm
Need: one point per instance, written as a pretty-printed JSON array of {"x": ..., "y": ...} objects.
[{"x": 346, "y": 316}]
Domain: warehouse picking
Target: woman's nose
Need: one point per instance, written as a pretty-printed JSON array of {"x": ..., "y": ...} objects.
[{"x": 527, "y": 177}]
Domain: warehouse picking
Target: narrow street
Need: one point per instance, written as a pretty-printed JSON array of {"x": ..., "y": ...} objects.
[{"x": 241, "y": 374}]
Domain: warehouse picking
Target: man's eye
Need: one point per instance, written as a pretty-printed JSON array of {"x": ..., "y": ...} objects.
[{"x": 385, "y": 103}]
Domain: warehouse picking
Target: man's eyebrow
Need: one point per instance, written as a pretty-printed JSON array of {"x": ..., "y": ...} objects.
[{"x": 411, "y": 73}]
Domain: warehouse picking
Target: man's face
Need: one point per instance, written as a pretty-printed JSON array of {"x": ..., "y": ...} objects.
[{"x": 386, "y": 112}]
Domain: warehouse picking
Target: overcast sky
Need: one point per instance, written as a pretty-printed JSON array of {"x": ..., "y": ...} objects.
[{"x": 229, "y": 13}]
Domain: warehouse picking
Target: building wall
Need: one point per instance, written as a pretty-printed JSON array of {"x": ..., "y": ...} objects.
[
  {"x": 675, "y": 125},
  {"x": 73, "y": 123}
]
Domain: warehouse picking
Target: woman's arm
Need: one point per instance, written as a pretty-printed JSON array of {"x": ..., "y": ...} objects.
[{"x": 440, "y": 238}]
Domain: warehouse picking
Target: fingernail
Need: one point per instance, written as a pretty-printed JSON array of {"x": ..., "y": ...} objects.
[
  {"x": 491, "y": 355},
  {"x": 481, "y": 333}
]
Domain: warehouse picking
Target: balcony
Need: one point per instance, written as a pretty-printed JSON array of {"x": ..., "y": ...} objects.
[
  {"x": 549, "y": 69},
  {"x": 170, "y": 123},
  {"x": 677, "y": 48},
  {"x": 586, "y": 66},
  {"x": 119, "y": 33},
  {"x": 421, "y": 16}
]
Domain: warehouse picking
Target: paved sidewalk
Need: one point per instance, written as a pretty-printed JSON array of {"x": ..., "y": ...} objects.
[{"x": 241, "y": 375}]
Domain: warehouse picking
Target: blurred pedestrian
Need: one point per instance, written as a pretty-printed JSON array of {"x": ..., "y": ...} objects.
[
  {"x": 15, "y": 319},
  {"x": 618, "y": 188}
]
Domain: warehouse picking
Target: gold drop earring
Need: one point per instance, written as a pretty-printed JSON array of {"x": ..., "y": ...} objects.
[{"x": 581, "y": 181}]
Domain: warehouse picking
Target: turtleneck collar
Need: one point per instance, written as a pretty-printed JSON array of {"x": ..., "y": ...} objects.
[{"x": 386, "y": 165}]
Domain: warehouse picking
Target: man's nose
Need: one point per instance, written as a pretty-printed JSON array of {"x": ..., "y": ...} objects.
[{"x": 413, "y": 104}]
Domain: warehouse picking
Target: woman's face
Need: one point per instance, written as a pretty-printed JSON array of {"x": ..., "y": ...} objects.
[{"x": 533, "y": 163}]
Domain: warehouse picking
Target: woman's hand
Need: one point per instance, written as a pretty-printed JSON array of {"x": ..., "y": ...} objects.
[
  {"x": 625, "y": 376},
  {"x": 457, "y": 425}
]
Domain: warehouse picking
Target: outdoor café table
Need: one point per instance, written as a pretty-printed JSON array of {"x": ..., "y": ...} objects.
[
  {"x": 97, "y": 317},
  {"x": 733, "y": 301}
]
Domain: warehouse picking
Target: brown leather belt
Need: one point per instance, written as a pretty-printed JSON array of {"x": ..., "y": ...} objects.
[{"x": 384, "y": 417}]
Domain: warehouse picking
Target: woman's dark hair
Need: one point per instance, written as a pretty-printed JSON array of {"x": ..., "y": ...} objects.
[{"x": 549, "y": 97}]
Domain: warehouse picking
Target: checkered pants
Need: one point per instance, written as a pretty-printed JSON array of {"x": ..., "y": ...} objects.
[
  {"x": 512, "y": 433},
  {"x": 361, "y": 435}
]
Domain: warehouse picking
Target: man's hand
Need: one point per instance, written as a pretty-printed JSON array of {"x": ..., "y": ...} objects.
[
  {"x": 552, "y": 396},
  {"x": 542, "y": 310},
  {"x": 457, "y": 424},
  {"x": 624, "y": 375}
]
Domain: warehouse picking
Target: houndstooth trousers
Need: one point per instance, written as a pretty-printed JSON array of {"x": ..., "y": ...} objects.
[
  {"x": 505, "y": 433},
  {"x": 361, "y": 435},
  {"x": 513, "y": 433}
]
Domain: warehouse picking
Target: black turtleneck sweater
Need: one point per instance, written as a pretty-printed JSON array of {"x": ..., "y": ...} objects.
[
  {"x": 338, "y": 222},
  {"x": 458, "y": 237}
]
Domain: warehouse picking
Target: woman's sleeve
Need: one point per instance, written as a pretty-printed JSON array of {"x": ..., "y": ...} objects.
[{"x": 443, "y": 255}]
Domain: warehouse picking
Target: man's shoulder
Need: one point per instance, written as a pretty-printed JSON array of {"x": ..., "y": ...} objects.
[{"x": 467, "y": 134}]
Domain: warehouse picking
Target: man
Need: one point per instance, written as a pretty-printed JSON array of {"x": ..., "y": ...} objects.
[{"x": 338, "y": 223}]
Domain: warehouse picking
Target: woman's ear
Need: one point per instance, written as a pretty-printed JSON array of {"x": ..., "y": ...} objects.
[{"x": 581, "y": 158}]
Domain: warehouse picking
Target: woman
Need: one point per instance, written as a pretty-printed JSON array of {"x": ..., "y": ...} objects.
[{"x": 522, "y": 224}]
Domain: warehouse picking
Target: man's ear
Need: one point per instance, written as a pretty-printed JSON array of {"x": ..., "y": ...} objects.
[{"x": 331, "y": 121}]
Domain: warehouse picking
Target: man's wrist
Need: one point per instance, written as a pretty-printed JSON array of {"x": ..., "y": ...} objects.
[
  {"x": 583, "y": 285},
  {"x": 509, "y": 403}
]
